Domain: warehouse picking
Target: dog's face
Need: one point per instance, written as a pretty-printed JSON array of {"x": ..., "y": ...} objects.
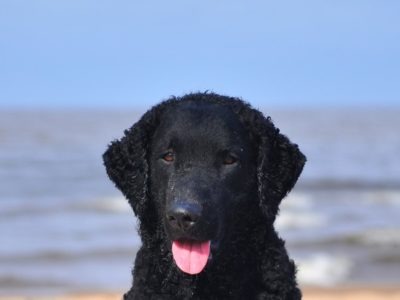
[
  {"x": 202, "y": 167},
  {"x": 194, "y": 168}
]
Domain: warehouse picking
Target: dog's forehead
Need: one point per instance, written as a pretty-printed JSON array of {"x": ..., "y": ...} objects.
[
  {"x": 194, "y": 120},
  {"x": 199, "y": 114}
]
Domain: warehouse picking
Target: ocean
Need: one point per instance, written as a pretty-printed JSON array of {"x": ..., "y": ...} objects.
[{"x": 65, "y": 228}]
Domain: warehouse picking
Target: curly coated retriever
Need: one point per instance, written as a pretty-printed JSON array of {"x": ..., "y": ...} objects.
[{"x": 205, "y": 174}]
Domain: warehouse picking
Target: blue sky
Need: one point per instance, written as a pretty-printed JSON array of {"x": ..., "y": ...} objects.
[{"x": 135, "y": 53}]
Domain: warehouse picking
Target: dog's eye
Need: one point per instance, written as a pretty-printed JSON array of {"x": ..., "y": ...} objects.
[
  {"x": 168, "y": 157},
  {"x": 230, "y": 159}
]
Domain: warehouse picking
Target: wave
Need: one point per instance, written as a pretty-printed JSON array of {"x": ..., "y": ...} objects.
[
  {"x": 323, "y": 270},
  {"x": 297, "y": 213},
  {"x": 380, "y": 237},
  {"x": 297, "y": 220},
  {"x": 60, "y": 256},
  {"x": 386, "y": 197},
  {"x": 17, "y": 282},
  {"x": 112, "y": 204},
  {"x": 387, "y": 238},
  {"x": 347, "y": 184}
]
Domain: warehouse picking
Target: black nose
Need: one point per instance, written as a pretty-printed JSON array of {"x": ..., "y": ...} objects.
[{"x": 183, "y": 216}]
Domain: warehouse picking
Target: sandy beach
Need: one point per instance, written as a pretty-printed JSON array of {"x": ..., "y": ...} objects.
[
  {"x": 376, "y": 293},
  {"x": 353, "y": 293}
]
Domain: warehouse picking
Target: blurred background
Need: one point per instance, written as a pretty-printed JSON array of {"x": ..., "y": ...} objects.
[{"x": 75, "y": 74}]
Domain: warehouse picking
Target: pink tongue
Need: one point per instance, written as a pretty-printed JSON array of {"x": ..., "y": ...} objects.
[{"x": 190, "y": 256}]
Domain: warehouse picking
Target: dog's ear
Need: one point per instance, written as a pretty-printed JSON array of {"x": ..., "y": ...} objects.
[
  {"x": 280, "y": 163},
  {"x": 126, "y": 162}
]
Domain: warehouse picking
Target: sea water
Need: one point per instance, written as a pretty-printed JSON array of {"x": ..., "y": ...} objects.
[{"x": 65, "y": 228}]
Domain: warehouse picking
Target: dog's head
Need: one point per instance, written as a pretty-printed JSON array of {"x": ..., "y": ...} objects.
[{"x": 191, "y": 166}]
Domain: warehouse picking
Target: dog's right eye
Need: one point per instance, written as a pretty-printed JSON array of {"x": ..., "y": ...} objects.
[
  {"x": 230, "y": 159},
  {"x": 168, "y": 157}
]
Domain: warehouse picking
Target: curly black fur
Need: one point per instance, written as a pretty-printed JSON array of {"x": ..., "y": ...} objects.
[{"x": 258, "y": 267}]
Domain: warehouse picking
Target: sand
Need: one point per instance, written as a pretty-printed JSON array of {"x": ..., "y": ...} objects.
[
  {"x": 388, "y": 293},
  {"x": 353, "y": 293}
]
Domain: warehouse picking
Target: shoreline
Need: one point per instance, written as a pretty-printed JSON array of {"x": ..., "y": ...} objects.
[{"x": 309, "y": 293}]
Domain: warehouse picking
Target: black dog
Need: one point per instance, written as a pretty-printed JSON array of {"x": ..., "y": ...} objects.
[{"x": 205, "y": 175}]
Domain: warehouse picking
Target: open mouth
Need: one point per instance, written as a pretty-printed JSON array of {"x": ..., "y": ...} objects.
[{"x": 191, "y": 256}]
